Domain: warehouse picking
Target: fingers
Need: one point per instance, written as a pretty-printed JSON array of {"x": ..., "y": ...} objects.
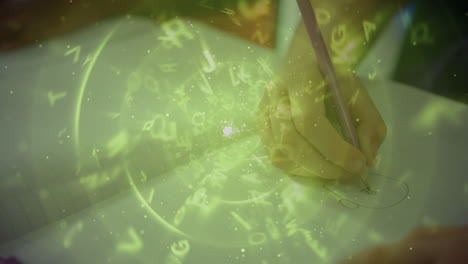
[
  {"x": 309, "y": 117},
  {"x": 282, "y": 161},
  {"x": 277, "y": 158},
  {"x": 371, "y": 137},
  {"x": 320, "y": 133},
  {"x": 299, "y": 134},
  {"x": 370, "y": 127},
  {"x": 294, "y": 146}
]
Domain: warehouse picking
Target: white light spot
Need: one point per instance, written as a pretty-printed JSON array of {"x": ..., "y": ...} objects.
[{"x": 227, "y": 131}]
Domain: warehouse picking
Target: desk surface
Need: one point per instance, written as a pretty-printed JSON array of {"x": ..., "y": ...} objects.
[{"x": 102, "y": 121}]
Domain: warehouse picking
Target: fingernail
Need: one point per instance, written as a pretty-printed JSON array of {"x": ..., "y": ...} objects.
[
  {"x": 358, "y": 165},
  {"x": 374, "y": 148}
]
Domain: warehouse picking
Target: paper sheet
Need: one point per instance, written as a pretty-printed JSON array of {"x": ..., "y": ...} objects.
[{"x": 224, "y": 205}]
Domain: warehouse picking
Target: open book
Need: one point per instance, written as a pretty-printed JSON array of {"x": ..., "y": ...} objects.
[{"x": 165, "y": 117}]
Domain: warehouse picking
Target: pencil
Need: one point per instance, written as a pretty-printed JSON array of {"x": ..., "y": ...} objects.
[{"x": 326, "y": 67}]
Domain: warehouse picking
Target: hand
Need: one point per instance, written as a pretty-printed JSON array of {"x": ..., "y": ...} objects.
[
  {"x": 298, "y": 136},
  {"x": 442, "y": 245}
]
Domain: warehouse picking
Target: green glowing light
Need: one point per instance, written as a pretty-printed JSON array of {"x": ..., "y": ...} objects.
[
  {"x": 343, "y": 55},
  {"x": 117, "y": 144},
  {"x": 435, "y": 112},
  {"x": 134, "y": 245},
  {"x": 272, "y": 229},
  {"x": 257, "y": 238},
  {"x": 252, "y": 178},
  {"x": 144, "y": 177},
  {"x": 175, "y": 30},
  {"x": 266, "y": 66},
  {"x": 198, "y": 119},
  {"x": 372, "y": 75},
  {"x": 82, "y": 89},
  {"x": 200, "y": 199},
  {"x": 352, "y": 101},
  {"x": 255, "y": 197},
  {"x": 339, "y": 36},
  {"x": 147, "y": 207},
  {"x": 180, "y": 248},
  {"x": 168, "y": 67},
  {"x": 211, "y": 64},
  {"x": 368, "y": 28},
  {"x": 313, "y": 244},
  {"x": 160, "y": 128},
  {"x": 91, "y": 181},
  {"x": 241, "y": 221},
  {"x": 54, "y": 97},
  {"x": 292, "y": 228},
  {"x": 323, "y": 16},
  {"x": 151, "y": 195},
  {"x": 179, "y": 217},
  {"x": 67, "y": 242},
  {"x": 76, "y": 50},
  {"x": 205, "y": 86},
  {"x": 375, "y": 237}
]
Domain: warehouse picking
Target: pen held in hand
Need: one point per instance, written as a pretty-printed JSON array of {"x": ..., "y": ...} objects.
[{"x": 326, "y": 67}]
